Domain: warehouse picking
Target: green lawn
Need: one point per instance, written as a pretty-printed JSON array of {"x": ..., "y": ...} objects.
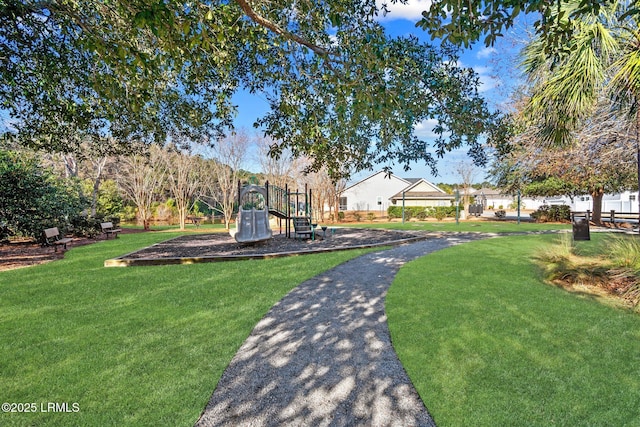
[
  {"x": 464, "y": 226},
  {"x": 131, "y": 346},
  {"x": 483, "y": 339},
  {"x": 487, "y": 343}
]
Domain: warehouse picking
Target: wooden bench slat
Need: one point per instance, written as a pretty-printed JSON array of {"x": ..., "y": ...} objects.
[
  {"x": 107, "y": 228},
  {"x": 52, "y": 237}
]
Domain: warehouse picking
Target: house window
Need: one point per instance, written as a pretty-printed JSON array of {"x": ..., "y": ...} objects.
[
  {"x": 342, "y": 204},
  {"x": 632, "y": 197},
  {"x": 379, "y": 200}
]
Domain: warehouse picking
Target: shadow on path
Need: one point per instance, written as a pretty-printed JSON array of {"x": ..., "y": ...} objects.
[{"x": 323, "y": 355}]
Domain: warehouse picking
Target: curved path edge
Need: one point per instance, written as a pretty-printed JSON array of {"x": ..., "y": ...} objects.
[{"x": 323, "y": 356}]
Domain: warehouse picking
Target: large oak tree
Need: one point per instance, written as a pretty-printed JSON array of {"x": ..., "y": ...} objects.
[{"x": 341, "y": 91}]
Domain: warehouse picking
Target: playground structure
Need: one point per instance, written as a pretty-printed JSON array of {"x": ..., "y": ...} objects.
[{"x": 256, "y": 203}]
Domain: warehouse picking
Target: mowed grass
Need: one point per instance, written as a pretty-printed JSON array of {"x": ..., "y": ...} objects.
[
  {"x": 480, "y": 226},
  {"x": 486, "y": 342},
  {"x": 131, "y": 346}
]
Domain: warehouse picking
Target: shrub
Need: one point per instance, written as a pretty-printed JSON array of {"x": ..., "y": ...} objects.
[
  {"x": 371, "y": 216},
  {"x": 554, "y": 213},
  {"x": 32, "y": 198},
  {"x": 340, "y": 216},
  {"x": 357, "y": 216},
  {"x": 394, "y": 212},
  {"x": 440, "y": 214},
  {"x": 127, "y": 214}
]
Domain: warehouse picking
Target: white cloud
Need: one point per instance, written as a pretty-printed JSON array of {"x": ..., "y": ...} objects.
[
  {"x": 411, "y": 11},
  {"x": 487, "y": 81},
  {"x": 424, "y": 129},
  {"x": 486, "y": 53}
]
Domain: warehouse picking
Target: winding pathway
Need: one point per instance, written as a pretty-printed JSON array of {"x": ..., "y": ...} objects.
[{"x": 323, "y": 356}]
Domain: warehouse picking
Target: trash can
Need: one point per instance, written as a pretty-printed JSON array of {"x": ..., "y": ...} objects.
[{"x": 580, "y": 227}]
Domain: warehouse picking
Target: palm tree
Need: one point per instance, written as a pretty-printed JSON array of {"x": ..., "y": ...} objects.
[{"x": 602, "y": 60}]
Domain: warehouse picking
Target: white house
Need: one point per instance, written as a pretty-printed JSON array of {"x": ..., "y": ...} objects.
[
  {"x": 422, "y": 193},
  {"x": 379, "y": 191},
  {"x": 622, "y": 202},
  {"x": 372, "y": 193}
]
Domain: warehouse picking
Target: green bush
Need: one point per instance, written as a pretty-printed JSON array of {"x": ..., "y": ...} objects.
[
  {"x": 422, "y": 213},
  {"x": 88, "y": 226},
  {"x": 394, "y": 212},
  {"x": 554, "y": 213},
  {"x": 371, "y": 216},
  {"x": 409, "y": 212},
  {"x": 340, "y": 216},
  {"x": 440, "y": 214},
  {"x": 32, "y": 198},
  {"x": 127, "y": 214}
]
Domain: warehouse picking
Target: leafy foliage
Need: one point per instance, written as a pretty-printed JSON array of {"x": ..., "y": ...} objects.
[
  {"x": 552, "y": 213},
  {"x": 32, "y": 198},
  {"x": 421, "y": 212},
  {"x": 341, "y": 91},
  {"x": 464, "y": 23}
]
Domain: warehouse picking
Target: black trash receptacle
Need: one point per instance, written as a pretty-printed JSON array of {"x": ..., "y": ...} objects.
[{"x": 581, "y": 228}]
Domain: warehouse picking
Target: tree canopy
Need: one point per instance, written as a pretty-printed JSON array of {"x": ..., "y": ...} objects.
[
  {"x": 341, "y": 90},
  {"x": 464, "y": 23}
]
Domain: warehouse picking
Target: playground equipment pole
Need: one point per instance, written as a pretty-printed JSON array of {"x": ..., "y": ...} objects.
[
  {"x": 518, "y": 206},
  {"x": 457, "y": 206},
  {"x": 288, "y": 227}
]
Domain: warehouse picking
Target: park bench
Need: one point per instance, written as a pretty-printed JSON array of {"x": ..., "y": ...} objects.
[
  {"x": 52, "y": 238},
  {"x": 107, "y": 228},
  {"x": 302, "y": 227}
]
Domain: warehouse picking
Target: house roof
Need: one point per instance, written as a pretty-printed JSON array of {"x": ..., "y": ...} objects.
[
  {"x": 414, "y": 192},
  {"x": 424, "y": 195},
  {"x": 488, "y": 192},
  {"x": 413, "y": 180},
  {"x": 375, "y": 174}
]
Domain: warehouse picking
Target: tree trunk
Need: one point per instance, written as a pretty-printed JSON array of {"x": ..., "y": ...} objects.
[
  {"x": 182, "y": 212},
  {"x": 596, "y": 214},
  {"x": 94, "y": 197}
]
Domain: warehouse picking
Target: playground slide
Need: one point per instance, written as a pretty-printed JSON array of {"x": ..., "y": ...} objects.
[{"x": 252, "y": 225}]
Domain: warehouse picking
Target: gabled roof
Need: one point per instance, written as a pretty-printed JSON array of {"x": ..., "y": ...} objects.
[
  {"x": 413, "y": 191},
  {"x": 375, "y": 174},
  {"x": 488, "y": 192},
  {"x": 413, "y": 180}
]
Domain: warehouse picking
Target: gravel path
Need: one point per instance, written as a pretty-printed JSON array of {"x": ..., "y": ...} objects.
[{"x": 322, "y": 356}]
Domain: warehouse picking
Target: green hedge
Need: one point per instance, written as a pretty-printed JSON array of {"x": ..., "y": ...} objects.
[{"x": 421, "y": 212}]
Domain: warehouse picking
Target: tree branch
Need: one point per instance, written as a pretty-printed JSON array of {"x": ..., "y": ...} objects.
[{"x": 248, "y": 10}]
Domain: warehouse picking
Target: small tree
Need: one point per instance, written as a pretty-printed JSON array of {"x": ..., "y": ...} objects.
[
  {"x": 141, "y": 178},
  {"x": 184, "y": 180},
  {"x": 220, "y": 190}
]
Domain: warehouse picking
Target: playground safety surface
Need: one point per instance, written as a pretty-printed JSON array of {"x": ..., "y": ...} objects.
[{"x": 198, "y": 248}]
